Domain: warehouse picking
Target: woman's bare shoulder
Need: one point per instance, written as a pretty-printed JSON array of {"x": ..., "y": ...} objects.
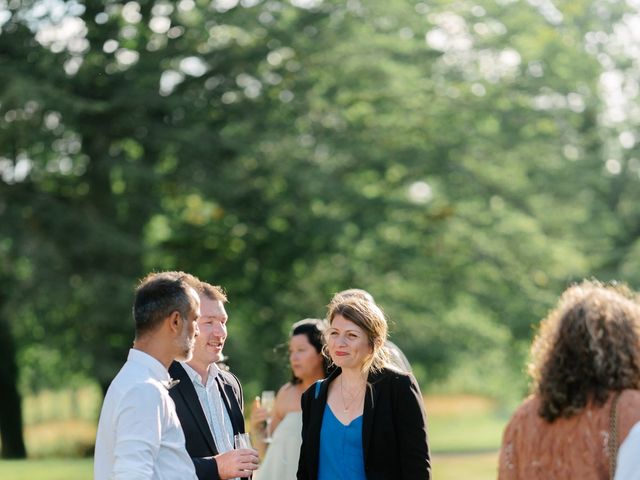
[
  {"x": 288, "y": 398},
  {"x": 287, "y": 389},
  {"x": 630, "y": 396},
  {"x": 629, "y": 403},
  {"x": 628, "y": 411}
]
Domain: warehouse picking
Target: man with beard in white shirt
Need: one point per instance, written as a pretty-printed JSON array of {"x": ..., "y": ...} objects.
[{"x": 139, "y": 434}]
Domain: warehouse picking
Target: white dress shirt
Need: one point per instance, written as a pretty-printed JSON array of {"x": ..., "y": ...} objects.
[
  {"x": 213, "y": 406},
  {"x": 139, "y": 434},
  {"x": 628, "y": 459}
]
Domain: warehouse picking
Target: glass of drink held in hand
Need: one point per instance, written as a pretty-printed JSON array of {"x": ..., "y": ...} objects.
[
  {"x": 242, "y": 440},
  {"x": 267, "y": 400}
]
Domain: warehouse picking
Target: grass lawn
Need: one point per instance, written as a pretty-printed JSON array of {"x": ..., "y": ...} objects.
[
  {"x": 67, "y": 469},
  {"x": 445, "y": 467},
  {"x": 482, "y": 466},
  {"x": 464, "y": 423}
]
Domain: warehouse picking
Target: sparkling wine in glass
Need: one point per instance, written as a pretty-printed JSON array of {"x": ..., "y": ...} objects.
[
  {"x": 267, "y": 400},
  {"x": 242, "y": 440}
]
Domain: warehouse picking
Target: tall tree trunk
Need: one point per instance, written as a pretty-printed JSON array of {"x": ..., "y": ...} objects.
[{"x": 10, "y": 402}]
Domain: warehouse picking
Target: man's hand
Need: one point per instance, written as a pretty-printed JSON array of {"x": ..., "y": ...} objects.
[{"x": 237, "y": 463}]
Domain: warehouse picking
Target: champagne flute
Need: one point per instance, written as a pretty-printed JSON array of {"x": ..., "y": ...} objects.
[
  {"x": 242, "y": 440},
  {"x": 267, "y": 400}
]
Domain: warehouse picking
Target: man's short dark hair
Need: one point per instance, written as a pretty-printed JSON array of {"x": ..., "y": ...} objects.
[{"x": 159, "y": 295}]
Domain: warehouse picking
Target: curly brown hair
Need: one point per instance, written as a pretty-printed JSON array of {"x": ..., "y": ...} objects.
[{"x": 587, "y": 347}]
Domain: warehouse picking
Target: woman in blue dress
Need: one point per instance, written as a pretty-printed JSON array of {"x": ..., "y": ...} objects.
[{"x": 366, "y": 420}]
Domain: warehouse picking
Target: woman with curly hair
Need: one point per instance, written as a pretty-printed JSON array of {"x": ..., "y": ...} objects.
[{"x": 585, "y": 366}]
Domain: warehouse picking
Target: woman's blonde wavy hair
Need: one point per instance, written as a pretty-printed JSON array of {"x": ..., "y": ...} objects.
[{"x": 586, "y": 348}]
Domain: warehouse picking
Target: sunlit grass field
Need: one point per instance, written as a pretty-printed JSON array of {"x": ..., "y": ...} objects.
[
  {"x": 466, "y": 466},
  {"x": 50, "y": 469},
  {"x": 464, "y": 434},
  {"x": 445, "y": 467},
  {"x": 61, "y": 424},
  {"x": 464, "y": 423},
  {"x": 464, "y": 431}
]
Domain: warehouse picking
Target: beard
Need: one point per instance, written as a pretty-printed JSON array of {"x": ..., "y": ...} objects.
[{"x": 185, "y": 344}]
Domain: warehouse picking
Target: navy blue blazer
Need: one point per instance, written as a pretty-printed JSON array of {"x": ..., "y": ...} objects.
[
  {"x": 199, "y": 439},
  {"x": 394, "y": 428}
]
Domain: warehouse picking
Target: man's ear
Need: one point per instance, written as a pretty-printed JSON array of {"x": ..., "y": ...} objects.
[{"x": 174, "y": 320}]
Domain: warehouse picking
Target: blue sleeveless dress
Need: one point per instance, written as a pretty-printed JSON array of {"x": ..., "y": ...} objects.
[{"x": 341, "y": 455}]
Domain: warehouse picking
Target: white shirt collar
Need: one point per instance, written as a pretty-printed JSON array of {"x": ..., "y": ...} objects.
[
  {"x": 158, "y": 371},
  {"x": 193, "y": 375}
]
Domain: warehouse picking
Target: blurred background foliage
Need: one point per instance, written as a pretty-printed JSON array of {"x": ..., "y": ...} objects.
[{"x": 462, "y": 161}]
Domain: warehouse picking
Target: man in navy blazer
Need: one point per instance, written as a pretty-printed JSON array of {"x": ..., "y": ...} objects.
[{"x": 209, "y": 399}]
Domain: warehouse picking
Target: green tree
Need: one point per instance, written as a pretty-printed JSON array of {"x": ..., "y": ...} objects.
[{"x": 446, "y": 157}]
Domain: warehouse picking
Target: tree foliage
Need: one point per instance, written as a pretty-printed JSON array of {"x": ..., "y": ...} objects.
[{"x": 462, "y": 161}]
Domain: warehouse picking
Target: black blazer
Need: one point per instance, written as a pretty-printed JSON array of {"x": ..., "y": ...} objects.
[
  {"x": 198, "y": 436},
  {"x": 394, "y": 431}
]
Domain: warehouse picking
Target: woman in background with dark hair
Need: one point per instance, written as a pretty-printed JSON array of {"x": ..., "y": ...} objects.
[
  {"x": 585, "y": 366},
  {"x": 307, "y": 366}
]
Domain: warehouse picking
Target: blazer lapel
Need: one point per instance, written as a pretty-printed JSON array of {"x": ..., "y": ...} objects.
[
  {"x": 231, "y": 403},
  {"x": 370, "y": 401},
  {"x": 188, "y": 392}
]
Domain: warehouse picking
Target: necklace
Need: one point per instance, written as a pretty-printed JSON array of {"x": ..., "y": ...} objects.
[{"x": 346, "y": 406}]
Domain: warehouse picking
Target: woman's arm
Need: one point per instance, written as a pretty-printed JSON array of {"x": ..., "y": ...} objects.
[
  {"x": 257, "y": 425},
  {"x": 281, "y": 406},
  {"x": 259, "y": 417}
]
